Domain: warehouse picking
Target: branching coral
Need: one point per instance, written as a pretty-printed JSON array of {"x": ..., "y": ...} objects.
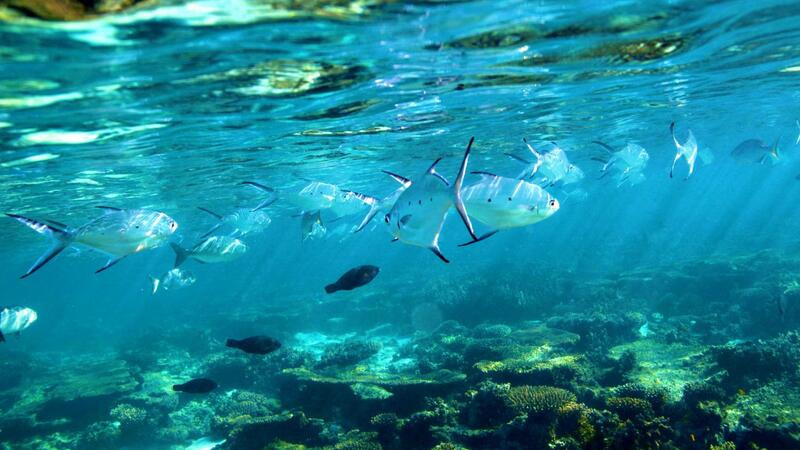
[{"x": 538, "y": 400}]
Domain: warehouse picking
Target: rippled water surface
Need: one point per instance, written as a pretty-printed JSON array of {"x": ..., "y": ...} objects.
[{"x": 169, "y": 106}]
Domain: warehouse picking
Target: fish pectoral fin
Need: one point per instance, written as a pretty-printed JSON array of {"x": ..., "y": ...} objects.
[
  {"x": 213, "y": 229},
  {"x": 110, "y": 263},
  {"x": 404, "y": 220},
  {"x": 487, "y": 235},
  {"x": 206, "y": 210},
  {"x": 108, "y": 208},
  {"x": 438, "y": 253}
]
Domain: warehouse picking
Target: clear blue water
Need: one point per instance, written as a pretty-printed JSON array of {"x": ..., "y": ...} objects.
[{"x": 170, "y": 107}]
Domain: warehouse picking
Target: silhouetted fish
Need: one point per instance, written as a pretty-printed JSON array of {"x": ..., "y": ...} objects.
[
  {"x": 196, "y": 386},
  {"x": 755, "y": 151},
  {"x": 258, "y": 345},
  {"x": 353, "y": 278}
]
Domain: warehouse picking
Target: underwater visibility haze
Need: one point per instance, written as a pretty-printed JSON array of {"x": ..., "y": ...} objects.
[{"x": 375, "y": 224}]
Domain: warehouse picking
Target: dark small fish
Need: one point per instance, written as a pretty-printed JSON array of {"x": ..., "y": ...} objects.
[
  {"x": 258, "y": 345},
  {"x": 353, "y": 278},
  {"x": 196, "y": 386}
]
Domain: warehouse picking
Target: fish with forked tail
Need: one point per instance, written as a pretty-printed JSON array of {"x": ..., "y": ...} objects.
[
  {"x": 173, "y": 279},
  {"x": 687, "y": 151},
  {"x": 117, "y": 233},
  {"x": 213, "y": 249},
  {"x": 503, "y": 203},
  {"x": 353, "y": 278},
  {"x": 14, "y": 319},
  {"x": 257, "y": 345},
  {"x": 419, "y": 212}
]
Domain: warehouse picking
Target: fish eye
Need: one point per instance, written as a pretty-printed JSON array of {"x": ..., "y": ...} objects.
[
  {"x": 386, "y": 218},
  {"x": 552, "y": 203}
]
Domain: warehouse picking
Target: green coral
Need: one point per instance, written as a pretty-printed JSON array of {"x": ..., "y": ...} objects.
[
  {"x": 574, "y": 421},
  {"x": 629, "y": 407},
  {"x": 128, "y": 415},
  {"x": 538, "y": 400},
  {"x": 656, "y": 396},
  {"x": 243, "y": 407},
  {"x": 348, "y": 353}
]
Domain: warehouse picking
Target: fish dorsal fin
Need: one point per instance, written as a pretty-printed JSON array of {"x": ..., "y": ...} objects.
[
  {"x": 369, "y": 200},
  {"x": 108, "y": 208},
  {"x": 485, "y": 175},
  {"x": 604, "y": 145},
  {"x": 218, "y": 216},
  {"x": 400, "y": 179},
  {"x": 432, "y": 171}
]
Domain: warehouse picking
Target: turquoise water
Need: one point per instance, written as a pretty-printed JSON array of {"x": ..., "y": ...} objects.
[{"x": 170, "y": 106}]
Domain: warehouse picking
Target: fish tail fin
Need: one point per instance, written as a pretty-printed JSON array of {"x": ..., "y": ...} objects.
[
  {"x": 156, "y": 283},
  {"x": 2, "y": 338},
  {"x": 373, "y": 210},
  {"x": 775, "y": 151},
  {"x": 437, "y": 252},
  {"x": 61, "y": 239},
  {"x": 181, "y": 254},
  {"x": 331, "y": 288},
  {"x": 462, "y": 210},
  {"x": 231, "y": 343},
  {"x": 487, "y": 235},
  {"x": 267, "y": 201}
]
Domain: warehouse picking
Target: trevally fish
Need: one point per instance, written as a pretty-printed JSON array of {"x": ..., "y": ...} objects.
[
  {"x": 213, "y": 249},
  {"x": 311, "y": 226},
  {"x": 173, "y": 279},
  {"x": 383, "y": 205},
  {"x": 14, "y": 319},
  {"x": 502, "y": 203},
  {"x": 629, "y": 163},
  {"x": 687, "y": 150},
  {"x": 551, "y": 167},
  {"x": 319, "y": 196},
  {"x": 756, "y": 151},
  {"x": 417, "y": 216},
  {"x": 117, "y": 233},
  {"x": 239, "y": 223}
]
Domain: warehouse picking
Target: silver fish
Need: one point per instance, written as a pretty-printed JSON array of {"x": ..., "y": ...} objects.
[
  {"x": 383, "y": 205},
  {"x": 173, "y": 279},
  {"x": 117, "y": 233},
  {"x": 14, "y": 319},
  {"x": 239, "y": 223},
  {"x": 318, "y": 196},
  {"x": 551, "y": 167},
  {"x": 687, "y": 151},
  {"x": 417, "y": 216},
  {"x": 503, "y": 203},
  {"x": 311, "y": 226},
  {"x": 629, "y": 163},
  {"x": 756, "y": 151},
  {"x": 213, "y": 249}
]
